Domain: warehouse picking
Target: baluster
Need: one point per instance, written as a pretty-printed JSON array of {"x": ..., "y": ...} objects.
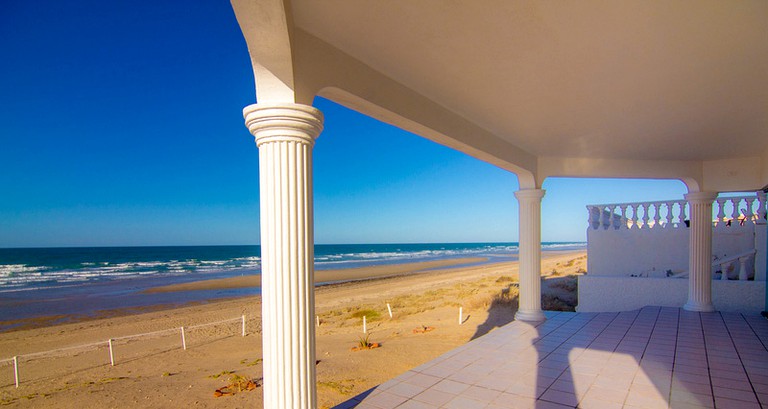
[
  {"x": 591, "y": 218},
  {"x": 614, "y": 218},
  {"x": 669, "y": 215},
  {"x": 761, "y": 208},
  {"x": 743, "y": 275},
  {"x": 724, "y": 270},
  {"x": 676, "y": 216},
  {"x": 604, "y": 218},
  {"x": 721, "y": 212},
  {"x": 657, "y": 215},
  {"x": 748, "y": 214},
  {"x": 623, "y": 225},
  {"x": 683, "y": 216},
  {"x": 646, "y": 210},
  {"x": 634, "y": 206},
  {"x": 735, "y": 213}
]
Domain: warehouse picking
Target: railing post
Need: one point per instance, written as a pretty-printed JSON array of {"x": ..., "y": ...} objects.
[
  {"x": 646, "y": 216},
  {"x": 624, "y": 225},
  {"x": 605, "y": 221},
  {"x": 669, "y": 215},
  {"x": 590, "y": 217},
  {"x": 721, "y": 212},
  {"x": 761, "y": 207},
  {"x": 735, "y": 212},
  {"x": 634, "y": 216},
  {"x": 749, "y": 215},
  {"x": 743, "y": 274}
]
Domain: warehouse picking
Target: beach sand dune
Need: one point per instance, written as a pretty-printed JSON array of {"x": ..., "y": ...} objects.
[{"x": 155, "y": 372}]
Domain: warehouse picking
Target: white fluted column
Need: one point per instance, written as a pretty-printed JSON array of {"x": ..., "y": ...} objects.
[
  {"x": 530, "y": 255},
  {"x": 285, "y": 135},
  {"x": 700, "y": 253}
]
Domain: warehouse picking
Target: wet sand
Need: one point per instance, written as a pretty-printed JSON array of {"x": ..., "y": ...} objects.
[{"x": 321, "y": 276}]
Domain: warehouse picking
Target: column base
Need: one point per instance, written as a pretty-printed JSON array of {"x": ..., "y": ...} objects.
[
  {"x": 522, "y": 315},
  {"x": 698, "y": 307}
]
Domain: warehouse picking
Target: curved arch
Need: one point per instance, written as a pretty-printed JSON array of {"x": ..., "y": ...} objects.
[
  {"x": 692, "y": 184},
  {"x": 266, "y": 26}
]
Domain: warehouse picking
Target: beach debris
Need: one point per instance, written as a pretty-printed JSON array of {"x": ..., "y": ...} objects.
[
  {"x": 423, "y": 329},
  {"x": 364, "y": 343},
  {"x": 237, "y": 384}
]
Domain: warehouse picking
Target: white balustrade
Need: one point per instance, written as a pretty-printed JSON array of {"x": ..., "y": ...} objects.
[
  {"x": 735, "y": 211},
  {"x": 645, "y": 215},
  {"x": 731, "y": 264},
  {"x": 734, "y": 220}
]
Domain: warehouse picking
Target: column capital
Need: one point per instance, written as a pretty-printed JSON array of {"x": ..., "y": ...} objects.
[
  {"x": 701, "y": 197},
  {"x": 530, "y": 193},
  {"x": 283, "y": 122}
]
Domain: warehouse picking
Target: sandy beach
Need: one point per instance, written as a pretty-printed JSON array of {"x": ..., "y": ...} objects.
[{"x": 154, "y": 371}]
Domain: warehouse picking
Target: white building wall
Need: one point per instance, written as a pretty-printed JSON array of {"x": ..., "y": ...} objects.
[
  {"x": 608, "y": 294},
  {"x": 651, "y": 252}
]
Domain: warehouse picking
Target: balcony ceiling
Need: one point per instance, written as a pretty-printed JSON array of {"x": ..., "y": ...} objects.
[{"x": 654, "y": 80}]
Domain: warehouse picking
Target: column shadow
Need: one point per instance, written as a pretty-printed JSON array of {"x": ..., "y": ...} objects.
[{"x": 501, "y": 311}]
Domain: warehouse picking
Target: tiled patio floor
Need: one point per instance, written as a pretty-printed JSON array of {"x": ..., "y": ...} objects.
[{"x": 651, "y": 358}]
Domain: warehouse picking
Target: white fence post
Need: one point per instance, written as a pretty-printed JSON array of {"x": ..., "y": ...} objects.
[
  {"x": 16, "y": 370},
  {"x": 365, "y": 330},
  {"x": 390, "y": 310},
  {"x": 461, "y": 310},
  {"x": 110, "y": 345},
  {"x": 111, "y": 354}
]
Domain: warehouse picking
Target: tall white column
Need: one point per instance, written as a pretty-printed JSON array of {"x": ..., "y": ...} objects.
[
  {"x": 285, "y": 135},
  {"x": 530, "y": 255},
  {"x": 700, "y": 254}
]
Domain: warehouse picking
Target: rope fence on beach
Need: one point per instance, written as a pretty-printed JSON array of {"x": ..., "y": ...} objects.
[{"x": 110, "y": 344}]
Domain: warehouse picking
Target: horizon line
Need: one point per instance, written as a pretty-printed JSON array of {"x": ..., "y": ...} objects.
[{"x": 244, "y": 245}]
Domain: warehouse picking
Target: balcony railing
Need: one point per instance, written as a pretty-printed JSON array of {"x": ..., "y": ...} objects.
[
  {"x": 665, "y": 214},
  {"x": 650, "y": 239}
]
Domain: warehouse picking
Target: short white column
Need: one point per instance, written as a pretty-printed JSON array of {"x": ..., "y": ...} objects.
[
  {"x": 700, "y": 254},
  {"x": 530, "y": 255},
  {"x": 285, "y": 135}
]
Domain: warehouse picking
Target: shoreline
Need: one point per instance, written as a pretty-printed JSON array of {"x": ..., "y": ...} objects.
[
  {"x": 323, "y": 277},
  {"x": 347, "y": 279}
]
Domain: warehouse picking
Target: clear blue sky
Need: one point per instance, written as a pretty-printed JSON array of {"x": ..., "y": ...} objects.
[{"x": 120, "y": 124}]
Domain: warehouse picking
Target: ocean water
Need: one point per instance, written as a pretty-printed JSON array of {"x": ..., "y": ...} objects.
[{"x": 85, "y": 280}]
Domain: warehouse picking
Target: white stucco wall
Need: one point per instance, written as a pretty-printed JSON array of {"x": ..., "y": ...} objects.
[
  {"x": 620, "y": 253},
  {"x": 607, "y": 294},
  {"x": 651, "y": 252}
]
